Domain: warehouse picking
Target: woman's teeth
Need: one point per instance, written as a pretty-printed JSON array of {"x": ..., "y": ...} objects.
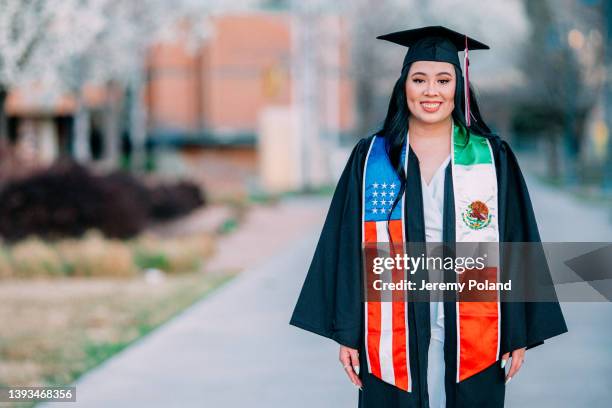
[{"x": 431, "y": 106}]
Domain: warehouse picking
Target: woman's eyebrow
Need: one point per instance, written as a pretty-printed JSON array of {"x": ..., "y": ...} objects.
[{"x": 439, "y": 73}]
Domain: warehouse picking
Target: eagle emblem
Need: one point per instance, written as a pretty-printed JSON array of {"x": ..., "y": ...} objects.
[{"x": 476, "y": 216}]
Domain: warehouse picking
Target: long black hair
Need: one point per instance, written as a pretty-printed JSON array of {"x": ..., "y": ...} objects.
[{"x": 395, "y": 125}]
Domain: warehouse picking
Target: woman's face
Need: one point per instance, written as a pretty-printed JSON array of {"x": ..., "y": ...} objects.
[{"x": 430, "y": 90}]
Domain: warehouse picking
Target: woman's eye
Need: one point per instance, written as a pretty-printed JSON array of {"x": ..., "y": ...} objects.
[
  {"x": 444, "y": 81},
  {"x": 418, "y": 81}
]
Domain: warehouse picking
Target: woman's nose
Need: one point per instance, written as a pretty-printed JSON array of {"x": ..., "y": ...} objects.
[{"x": 431, "y": 90}]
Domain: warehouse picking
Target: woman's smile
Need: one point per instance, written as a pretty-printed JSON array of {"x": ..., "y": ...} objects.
[{"x": 431, "y": 106}]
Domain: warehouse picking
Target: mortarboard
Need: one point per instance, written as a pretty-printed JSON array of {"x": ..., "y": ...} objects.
[{"x": 437, "y": 43}]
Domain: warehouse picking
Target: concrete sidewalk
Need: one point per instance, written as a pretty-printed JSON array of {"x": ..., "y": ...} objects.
[
  {"x": 574, "y": 369},
  {"x": 236, "y": 349},
  {"x": 233, "y": 349}
]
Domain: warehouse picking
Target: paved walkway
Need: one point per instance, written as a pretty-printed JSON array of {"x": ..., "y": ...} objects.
[
  {"x": 235, "y": 348},
  {"x": 572, "y": 370}
]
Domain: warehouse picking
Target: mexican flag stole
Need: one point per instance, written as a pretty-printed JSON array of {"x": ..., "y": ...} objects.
[{"x": 386, "y": 314}]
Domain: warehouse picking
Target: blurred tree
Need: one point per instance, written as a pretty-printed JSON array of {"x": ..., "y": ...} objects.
[
  {"x": 38, "y": 36},
  {"x": 559, "y": 63},
  {"x": 276, "y": 4},
  {"x": 115, "y": 59},
  {"x": 607, "y": 13},
  {"x": 69, "y": 43},
  {"x": 22, "y": 26}
]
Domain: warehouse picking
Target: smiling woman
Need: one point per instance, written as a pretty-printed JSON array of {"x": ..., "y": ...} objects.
[
  {"x": 430, "y": 90},
  {"x": 430, "y": 94},
  {"x": 417, "y": 354}
]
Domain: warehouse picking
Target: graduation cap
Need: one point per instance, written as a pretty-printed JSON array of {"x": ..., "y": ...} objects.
[{"x": 437, "y": 43}]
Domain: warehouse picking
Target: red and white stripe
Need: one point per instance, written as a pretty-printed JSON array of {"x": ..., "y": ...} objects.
[{"x": 386, "y": 320}]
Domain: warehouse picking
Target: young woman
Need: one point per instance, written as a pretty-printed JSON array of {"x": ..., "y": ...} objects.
[{"x": 433, "y": 173}]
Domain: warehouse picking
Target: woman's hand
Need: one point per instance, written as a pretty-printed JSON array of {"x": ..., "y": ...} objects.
[
  {"x": 518, "y": 357},
  {"x": 349, "y": 358}
]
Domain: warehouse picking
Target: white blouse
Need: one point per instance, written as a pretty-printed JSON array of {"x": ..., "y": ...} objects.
[{"x": 433, "y": 209}]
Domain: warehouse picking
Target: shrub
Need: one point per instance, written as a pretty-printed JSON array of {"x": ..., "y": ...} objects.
[
  {"x": 172, "y": 200},
  {"x": 66, "y": 200}
]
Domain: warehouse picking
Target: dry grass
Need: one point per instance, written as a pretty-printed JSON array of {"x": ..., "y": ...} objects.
[
  {"x": 33, "y": 257},
  {"x": 53, "y": 330},
  {"x": 6, "y": 269},
  {"x": 174, "y": 255},
  {"x": 96, "y": 256},
  {"x": 69, "y": 305}
]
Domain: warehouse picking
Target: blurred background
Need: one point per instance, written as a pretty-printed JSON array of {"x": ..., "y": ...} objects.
[
  {"x": 152, "y": 153},
  {"x": 270, "y": 92}
]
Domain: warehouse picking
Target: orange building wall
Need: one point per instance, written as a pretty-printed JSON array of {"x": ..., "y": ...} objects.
[
  {"x": 245, "y": 66},
  {"x": 173, "y": 89},
  {"x": 347, "y": 89}
]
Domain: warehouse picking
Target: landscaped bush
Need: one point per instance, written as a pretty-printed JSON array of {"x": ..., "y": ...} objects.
[
  {"x": 171, "y": 200},
  {"x": 67, "y": 199}
]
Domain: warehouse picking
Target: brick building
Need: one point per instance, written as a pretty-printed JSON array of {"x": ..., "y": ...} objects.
[
  {"x": 216, "y": 94},
  {"x": 210, "y": 102}
]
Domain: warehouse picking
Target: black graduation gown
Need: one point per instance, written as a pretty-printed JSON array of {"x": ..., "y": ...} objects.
[{"x": 331, "y": 302}]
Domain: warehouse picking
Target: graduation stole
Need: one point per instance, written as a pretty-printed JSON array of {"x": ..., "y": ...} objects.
[{"x": 475, "y": 199}]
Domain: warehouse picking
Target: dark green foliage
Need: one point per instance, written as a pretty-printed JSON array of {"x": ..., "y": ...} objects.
[
  {"x": 171, "y": 200},
  {"x": 67, "y": 199}
]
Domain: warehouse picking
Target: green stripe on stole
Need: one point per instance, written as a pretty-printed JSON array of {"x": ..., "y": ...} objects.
[{"x": 475, "y": 152}]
